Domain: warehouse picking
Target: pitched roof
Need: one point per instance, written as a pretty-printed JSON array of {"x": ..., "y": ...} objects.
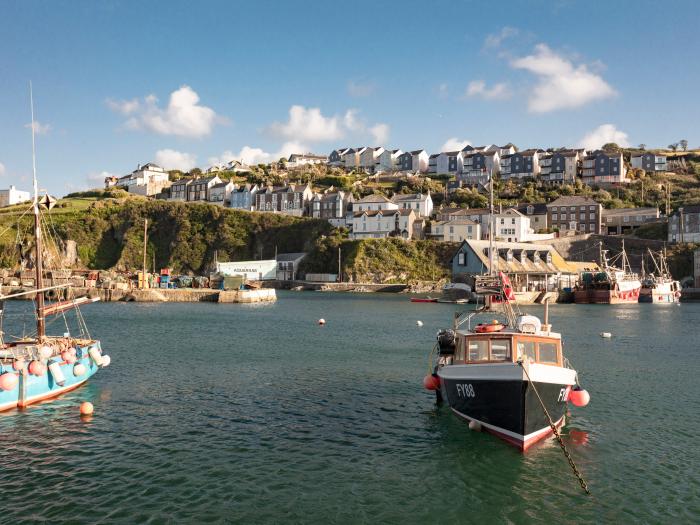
[
  {"x": 621, "y": 212},
  {"x": 400, "y": 197},
  {"x": 221, "y": 184},
  {"x": 572, "y": 200},
  {"x": 417, "y": 151},
  {"x": 374, "y": 198},
  {"x": 373, "y": 213},
  {"x": 539, "y": 208}
]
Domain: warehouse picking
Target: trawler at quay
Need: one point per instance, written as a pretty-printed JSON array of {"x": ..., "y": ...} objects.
[
  {"x": 659, "y": 286},
  {"x": 612, "y": 285}
]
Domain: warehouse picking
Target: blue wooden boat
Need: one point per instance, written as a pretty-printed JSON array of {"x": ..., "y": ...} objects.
[{"x": 39, "y": 366}]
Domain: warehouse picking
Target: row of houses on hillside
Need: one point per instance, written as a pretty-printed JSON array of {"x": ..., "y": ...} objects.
[{"x": 473, "y": 165}]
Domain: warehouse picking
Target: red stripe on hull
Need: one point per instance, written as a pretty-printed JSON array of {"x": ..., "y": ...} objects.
[{"x": 521, "y": 445}]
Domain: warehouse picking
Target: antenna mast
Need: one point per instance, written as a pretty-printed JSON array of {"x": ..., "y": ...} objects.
[{"x": 39, "y": 263}]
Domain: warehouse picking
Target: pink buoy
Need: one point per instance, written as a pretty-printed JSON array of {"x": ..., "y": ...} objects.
[
  {"x": 37, "y": 368},
  {"x": 73, "y": 350},
  {"x": 45, "y": 352},
  {"x": 68, "y": 357},
  {"x": 431, "y": 382},
  {"x": 19, "y": 364},
  {"x": 86, "y": 408},
  {"x": 79, "y": 369},
  {"x": 579, "y": 397},
  {"x": 8, "y": 381}
]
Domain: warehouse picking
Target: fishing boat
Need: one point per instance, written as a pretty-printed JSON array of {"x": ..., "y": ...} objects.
[
  {"x": 612, "y": 285},
  {"x": 659, "y": 286},
  {"x": 507, "y": 376},
  {"x": 37, "y": 366}
]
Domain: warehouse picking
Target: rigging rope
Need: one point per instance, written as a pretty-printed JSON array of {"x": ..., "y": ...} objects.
[{"x": 581, "y": 481}]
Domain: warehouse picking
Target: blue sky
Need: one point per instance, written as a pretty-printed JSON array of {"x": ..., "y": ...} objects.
[{"x": 117, "y": 83}]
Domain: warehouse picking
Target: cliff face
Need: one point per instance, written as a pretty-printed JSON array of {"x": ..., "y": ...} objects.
[{"x": 185, "y": 237}]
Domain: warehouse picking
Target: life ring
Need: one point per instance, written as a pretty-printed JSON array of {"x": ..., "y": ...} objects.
[{"x": 485, "y": 328}]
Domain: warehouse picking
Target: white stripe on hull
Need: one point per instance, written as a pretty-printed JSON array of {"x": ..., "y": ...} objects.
[
  {"x": 509, "y": 372},
  {"x": 514, "y": 435}
]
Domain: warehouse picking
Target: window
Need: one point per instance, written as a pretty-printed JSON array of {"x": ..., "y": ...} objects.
[
  {"x": 572, "y": 208},
  {"x": 512, "y": 221},
  {"x": 592, "y": 216},
  {"x": 500, "y": 350},
  {"x": 591, "y": 227},
  {"x": 548, "y": 353},
  {"x": 526, "y": 351},
  {"x": 554, "y": 217},
  {"x": 462, "y": 259},
  {"x": 478, "y": 350},
  {"x": 502, "y": 221},
  {"x": 591, "y": 208}
]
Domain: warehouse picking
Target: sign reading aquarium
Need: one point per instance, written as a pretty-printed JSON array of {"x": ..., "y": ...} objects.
[{"x": 252, "y": 270}]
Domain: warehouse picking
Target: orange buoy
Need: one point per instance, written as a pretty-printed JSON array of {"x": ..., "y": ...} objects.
[
  {"x": 579, "y": 397},
  {"x": 431, "y": 382},
  {"x": 86, "y": 408}
]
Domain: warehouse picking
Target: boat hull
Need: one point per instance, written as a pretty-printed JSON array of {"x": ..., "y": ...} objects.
[
  {"x": 593, "y": 296},
  {"x": 502, "y": 400},
  {"x": 32, "y": 389},
  {"x": 652, "y": 296}
]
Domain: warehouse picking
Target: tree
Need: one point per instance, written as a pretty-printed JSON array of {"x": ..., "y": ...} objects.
[
  {"x": 642, "y": 146},
  {"x": 673, "y": 146},
  {"x": 611, "y": 147},
  {"x": 684, "y": 144}
]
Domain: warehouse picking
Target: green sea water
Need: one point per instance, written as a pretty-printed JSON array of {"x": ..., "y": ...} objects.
[{"x": 256, "y": 414}]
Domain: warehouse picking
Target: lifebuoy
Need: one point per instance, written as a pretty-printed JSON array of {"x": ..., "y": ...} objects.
[{"x": 483, "y": 328}]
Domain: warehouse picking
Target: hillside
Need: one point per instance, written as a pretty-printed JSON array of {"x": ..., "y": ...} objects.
[{"x": 187, "y": 237}]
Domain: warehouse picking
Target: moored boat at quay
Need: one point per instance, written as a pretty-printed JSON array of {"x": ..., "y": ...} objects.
[
  {"x": 509, "y": 378},
  {"x": 38, "y": 366},
  {"x": 612, "y": 285},
  {"x": 659, "y": 286}
]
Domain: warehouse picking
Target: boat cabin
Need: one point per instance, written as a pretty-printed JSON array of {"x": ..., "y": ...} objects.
[{"x": 507, "y": 346}]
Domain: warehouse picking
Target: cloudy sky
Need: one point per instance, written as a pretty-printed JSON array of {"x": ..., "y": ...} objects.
[{"x": 184, "y": 84}]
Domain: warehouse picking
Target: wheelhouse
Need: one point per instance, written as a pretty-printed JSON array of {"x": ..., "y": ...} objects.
[{"x": 504, "y": 347}]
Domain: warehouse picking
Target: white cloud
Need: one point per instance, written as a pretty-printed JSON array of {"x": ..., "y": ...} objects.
[
  {"x": 360, "y": 89},
  {"x": 39, "y": 128},
  {"x": 496, "y": 39},
  {"x": 351, "y": 122},
  {"x": 478, "y": 88},
  {"x": 97, "y": 178},
  {"x": 380, "y": 133},
  {"x": 308, "y": 124},
  {"x": 2, "y": 169},
  {"x": 443, "y": 90},
  {"x": 175, "y": 160},
  {"x": 454, "y": 144},
  {"x": 183, "y": 116},
  {"x": 602, "y": 135},
  {"x": 562, "y": 84}
]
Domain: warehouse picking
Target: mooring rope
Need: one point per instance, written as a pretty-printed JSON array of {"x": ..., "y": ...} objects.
[{"x": 581, "y": 481}]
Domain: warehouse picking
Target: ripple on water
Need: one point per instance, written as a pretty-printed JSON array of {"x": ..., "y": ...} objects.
[{"x": 228, "y": 412}]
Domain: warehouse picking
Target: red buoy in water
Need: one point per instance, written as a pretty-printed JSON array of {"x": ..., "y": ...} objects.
[
  {"x": 579, "y": 397},
  {"x": 431, "y": 382}
]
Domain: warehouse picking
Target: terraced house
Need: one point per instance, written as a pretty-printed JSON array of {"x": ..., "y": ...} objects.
[
  {"x": 560, "y": 167},
  {"x": 603, "y": 168},
  {"x": 478, "y": 166},
  {"x": 649, "y": 162},
  {"x": 290, "y": 200},
  {"x": 575, "y": 214},
  {"x": 383, "y": 223},
  {"x": 521, "y": 164},
  {"x": 416, "y": 160}
]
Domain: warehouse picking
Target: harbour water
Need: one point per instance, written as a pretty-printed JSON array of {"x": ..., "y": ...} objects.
[{"x": 254, "y": 413}]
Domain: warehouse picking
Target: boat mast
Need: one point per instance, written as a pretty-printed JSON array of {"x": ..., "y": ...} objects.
[
  {"x": 492, "y": 259},
  {"x": 39, "y": 264}
]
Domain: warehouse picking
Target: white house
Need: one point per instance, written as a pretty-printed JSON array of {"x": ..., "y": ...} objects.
[
  {"x": 148, "y": 180},
  {"x": 513, "y": 226},
  {"x": 373, "y": 203},
  {"x": 448, "y": 162},
  {"x": 456, "y": 230},
  {"x": 421, "y": 204},
  {"x": 383, "y": 223},
  {"x": 387, "y": 160},
  {"x": 368, "y": 158},
  {"x": 12, "y": 196},
  {"x": 297, "y": 160},
  {"x": 220, "y": 193}
]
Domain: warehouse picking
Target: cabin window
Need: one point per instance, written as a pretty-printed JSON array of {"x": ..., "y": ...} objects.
[
  {"x": 500, "y": 350},
  {"x": 478, "y": 350},
  {"x": 526, "y": 351},
  {"x": 548, "y": 353}
]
